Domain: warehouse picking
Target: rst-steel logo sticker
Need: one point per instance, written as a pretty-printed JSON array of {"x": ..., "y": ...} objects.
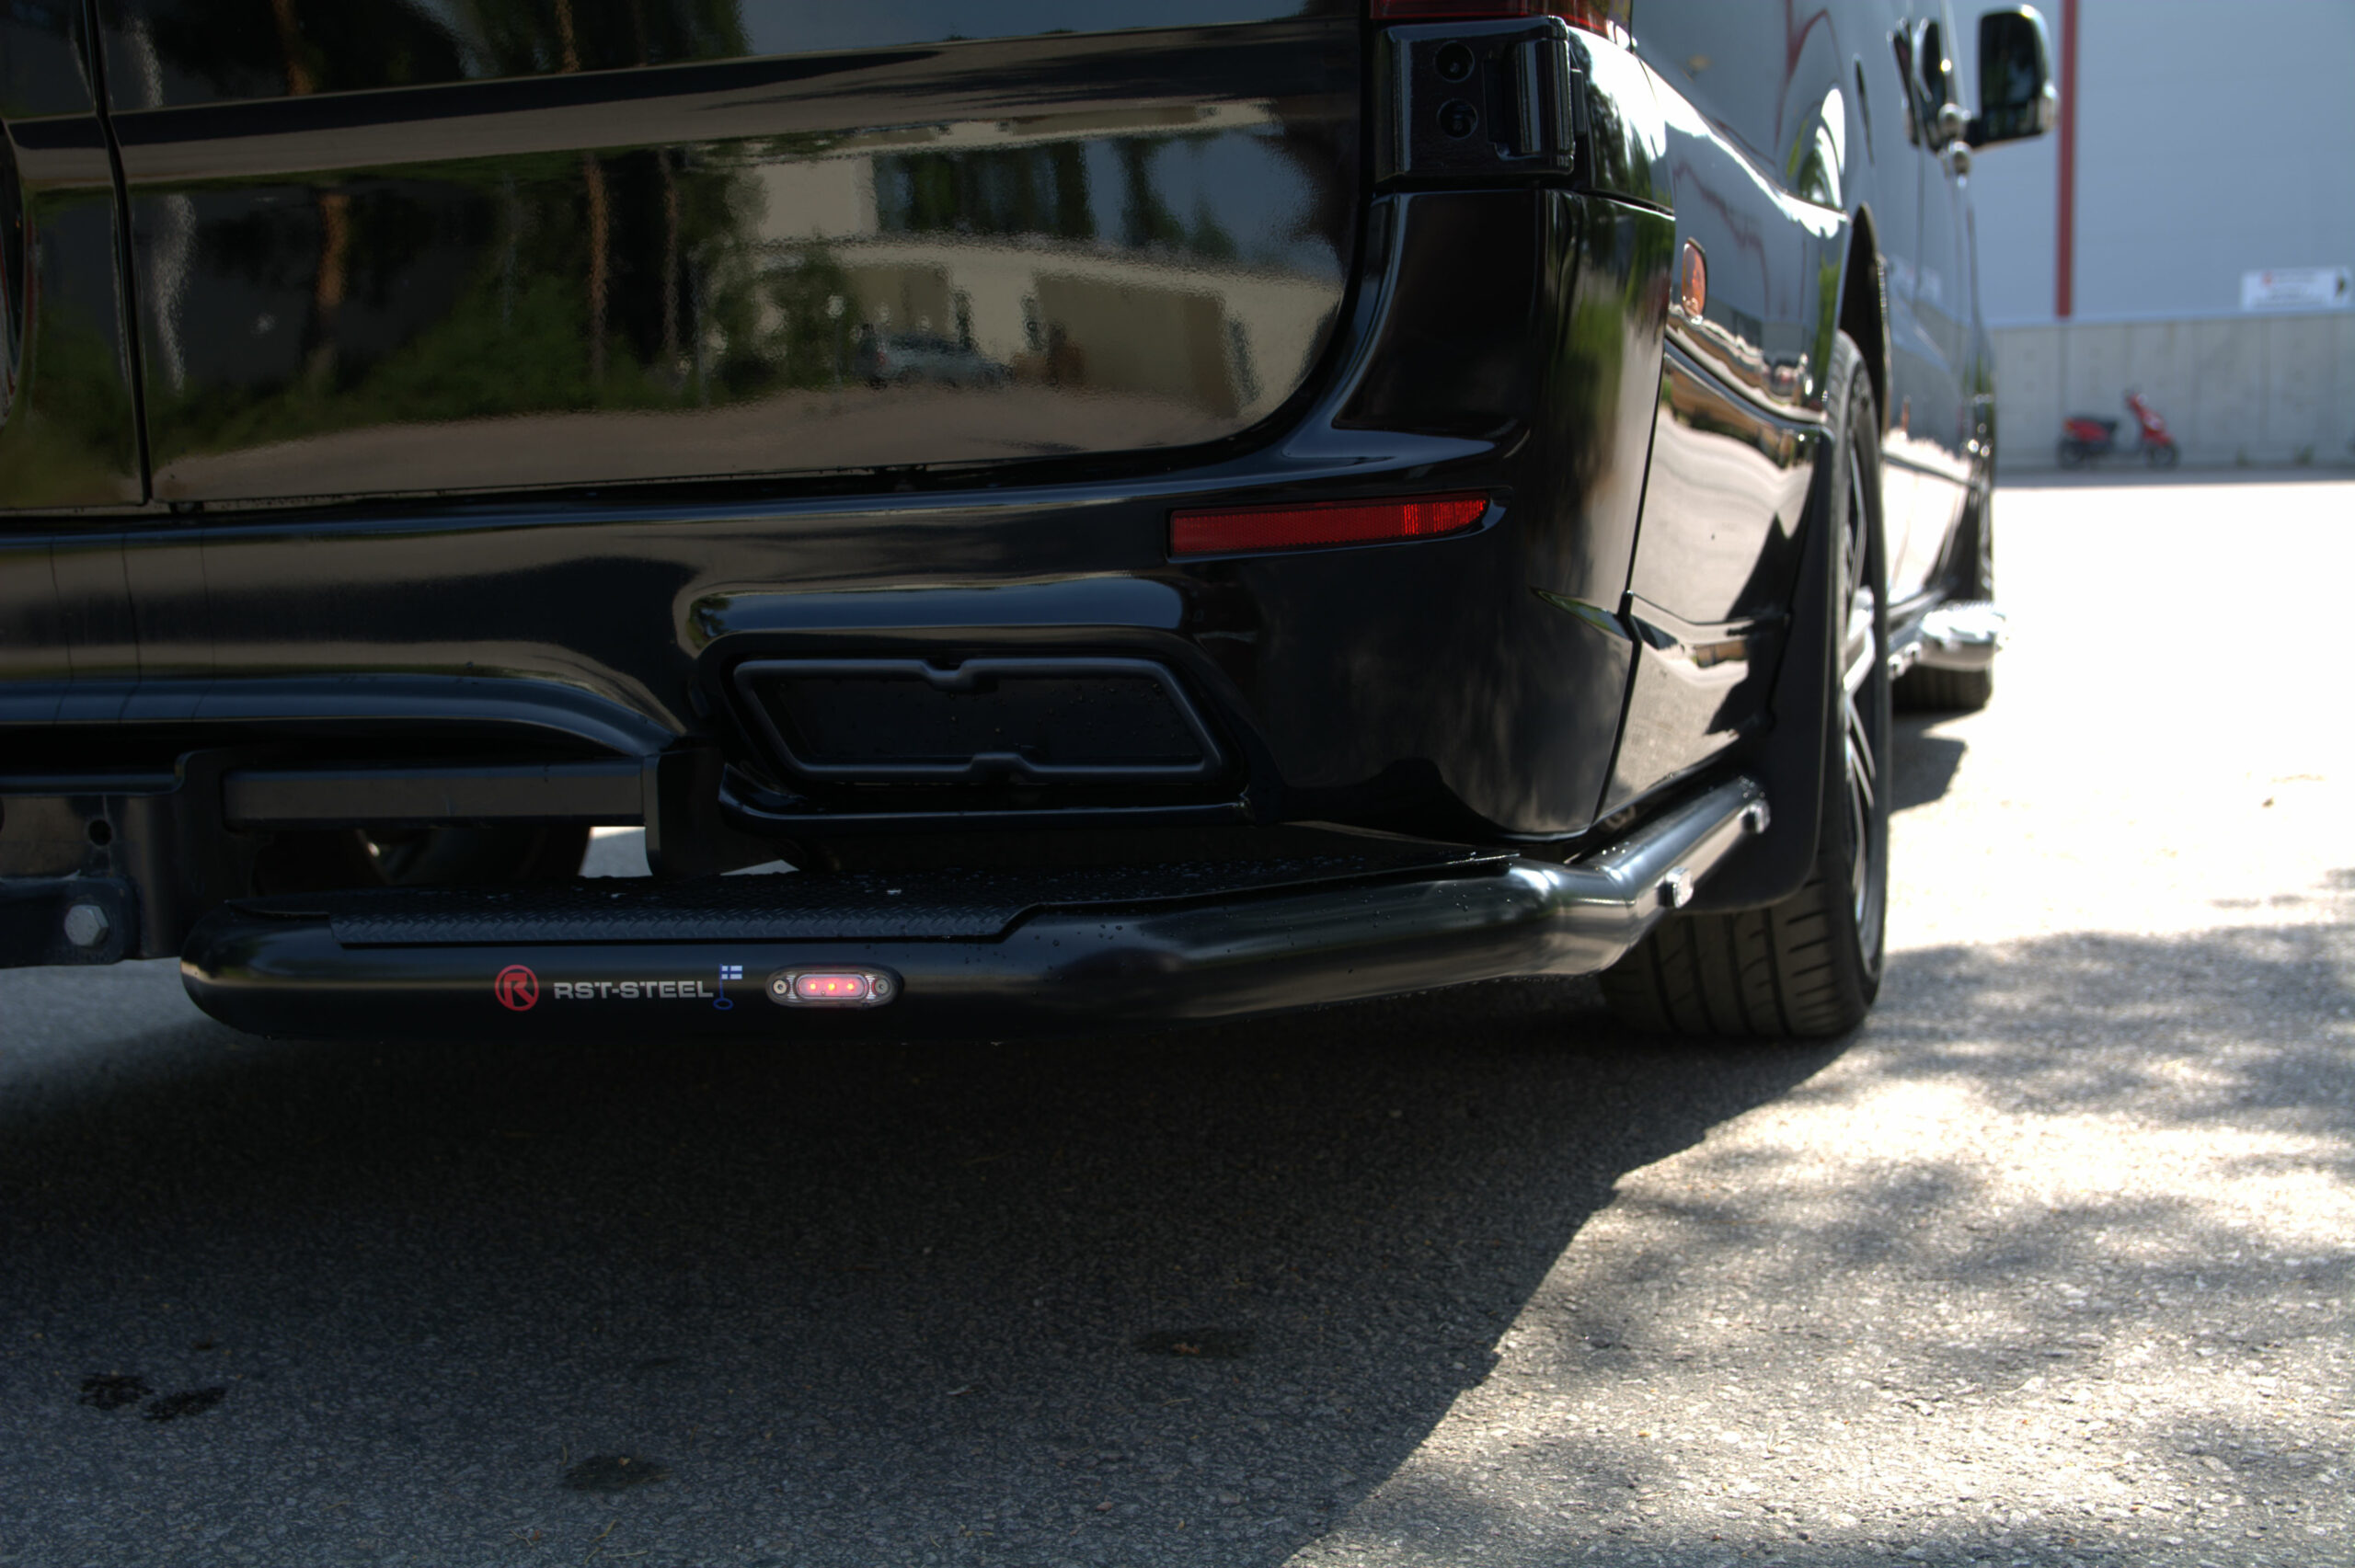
[
  {"x": 518, "y": 989},
  {"x": 633, "y": 991}
]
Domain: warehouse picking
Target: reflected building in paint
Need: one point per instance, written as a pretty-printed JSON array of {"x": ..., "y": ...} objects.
[{"x": 453, "y": 245}]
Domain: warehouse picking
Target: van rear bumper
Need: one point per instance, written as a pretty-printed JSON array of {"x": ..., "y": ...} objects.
[{"x": 962, "y": 955}]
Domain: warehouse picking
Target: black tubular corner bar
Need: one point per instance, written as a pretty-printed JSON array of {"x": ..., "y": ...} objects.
[{"x": 280, "y": 970}]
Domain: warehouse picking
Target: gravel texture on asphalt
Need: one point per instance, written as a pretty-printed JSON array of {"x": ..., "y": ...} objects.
[{"x": 2047, "y": 1264}]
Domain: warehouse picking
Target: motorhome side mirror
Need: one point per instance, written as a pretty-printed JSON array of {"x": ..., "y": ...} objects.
[{"x": 2016, "y": 97}]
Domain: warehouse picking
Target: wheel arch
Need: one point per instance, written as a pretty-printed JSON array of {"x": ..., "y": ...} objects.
[
  {"x": 1792, "y": 758},
  {"x": 1864, "y": 304}
]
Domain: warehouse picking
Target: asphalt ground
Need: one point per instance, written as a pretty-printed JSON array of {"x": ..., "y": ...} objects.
[{"x": 2048, "y": 1263}]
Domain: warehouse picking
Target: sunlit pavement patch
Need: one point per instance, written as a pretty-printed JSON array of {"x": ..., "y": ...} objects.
[{"x": 2054, "y": 1264}]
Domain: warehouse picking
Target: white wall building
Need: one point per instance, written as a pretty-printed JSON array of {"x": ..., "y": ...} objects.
[{"x": 2213, "y": 141}]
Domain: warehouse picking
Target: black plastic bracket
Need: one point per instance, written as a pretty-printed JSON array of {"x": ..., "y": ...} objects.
[
  {"x": 685, "y": 835},
  {"x": 605, "y": 792},
  {"x": 67, "y": 920},
  {"x": 1476, "y": 100}
]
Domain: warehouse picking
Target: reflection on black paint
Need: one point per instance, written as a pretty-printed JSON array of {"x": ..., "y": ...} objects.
[
  {"x": 591, "y": 242},
  {"x": 70, "y": 436},
  {"x": 67, "y": 435},
  {"x": 42, "y": 67},
  {"x": 191, "y": 51},
  {"x": 207, "y": 51},
  {"x": 465, "y": 292},
  {"x": 1714, "y": 577},
  {"x": 1030, "y": 190},
  {"x": 1553, "y": 309}
]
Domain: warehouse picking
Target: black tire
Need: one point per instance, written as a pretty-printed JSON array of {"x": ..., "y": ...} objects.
[
  {"x": 1945, "y": 691},
  {"x": 1810, "y": 966},
  {"x": 1926, "y": 691}
]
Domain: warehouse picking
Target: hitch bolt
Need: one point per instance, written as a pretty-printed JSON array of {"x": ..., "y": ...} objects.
[{"x": 86, "y": 925}]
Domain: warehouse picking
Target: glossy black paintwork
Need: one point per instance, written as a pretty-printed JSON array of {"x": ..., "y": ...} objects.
[
  {"x": 1463, "y": 364},
  {"x": 1720, "y": 458},
  {"x": 44, "y": 61},
  {"x": 400, "y": 247},
  {"x": 1739, "y": 401},
  {"x": 1709, "y": 608},
  {"x": 1927, "y": 456},
  {"x": 1822, "y": 200},
  {"x": 1623, "y": 620},
  {"x": 1327, "y": 663}
]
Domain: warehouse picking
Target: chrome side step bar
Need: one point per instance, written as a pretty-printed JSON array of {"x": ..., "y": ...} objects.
[{"x": 1961, "y": 634}]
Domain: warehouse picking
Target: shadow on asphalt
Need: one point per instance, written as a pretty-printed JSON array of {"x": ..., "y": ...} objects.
[
  {"x": 1927, "y": 1297},
  {"x": 863, "y": 1305},
  {"x": 874, "y": 1301},
  {"x": 1922, "y": 765}
]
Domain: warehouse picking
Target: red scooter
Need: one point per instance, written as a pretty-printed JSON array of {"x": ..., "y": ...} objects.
[{"x": 2084, "y": 438}]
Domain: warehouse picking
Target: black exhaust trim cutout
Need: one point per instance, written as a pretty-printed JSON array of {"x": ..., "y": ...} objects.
[{"x": 1025, "y": 720}]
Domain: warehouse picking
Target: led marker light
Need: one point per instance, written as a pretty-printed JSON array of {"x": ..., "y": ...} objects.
[{"x": 833, "y": 988}]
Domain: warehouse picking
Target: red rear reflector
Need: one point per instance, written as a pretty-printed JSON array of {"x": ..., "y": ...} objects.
[
  {"x": 1234, "y": 529},
  {"x": 832, "y": 988}
]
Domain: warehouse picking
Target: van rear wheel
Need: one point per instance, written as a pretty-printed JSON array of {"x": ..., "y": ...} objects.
[{"x": 1809, "y": 966}]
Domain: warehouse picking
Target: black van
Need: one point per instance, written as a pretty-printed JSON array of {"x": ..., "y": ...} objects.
[{"x": 1453, "y": 486}]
